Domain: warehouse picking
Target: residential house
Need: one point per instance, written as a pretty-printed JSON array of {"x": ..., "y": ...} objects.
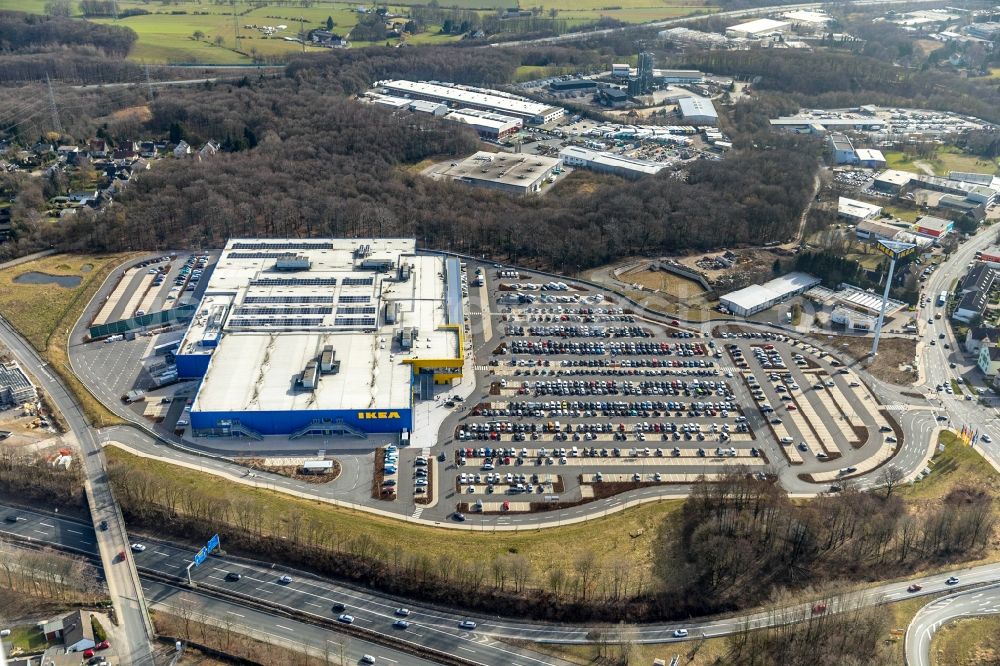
[
  {"x": 147, "y": 149},
  {"x": 68, "y": 154},
  {"x": 85, "y": 197},
  {"x": 78, "y": 634},
  {"x": 42, "y": 148},
  {"x": 975, "y": 290},
  {"x": 989, "y": 360},
  {"x": 182, "y": 149},
  {"x": 977, "y": 336},
  {"x": 126, "y": 150},
  {"x": 97, "y": 148},
  {"x": 53, "y": 629},
  {"x": 208, "y": 150}
]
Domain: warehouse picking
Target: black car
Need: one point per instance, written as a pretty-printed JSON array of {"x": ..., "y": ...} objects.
[
  {"x": 338, "y": 607},
  {"x": 11, "y": 518},
  {"x": 104, "y": 526},
  {"x": 232, "y": 575}
]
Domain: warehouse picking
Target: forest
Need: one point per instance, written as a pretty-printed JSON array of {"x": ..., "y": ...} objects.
[
  {"x": 24, "y": 33},
  {"x": 324, "y": 164}
]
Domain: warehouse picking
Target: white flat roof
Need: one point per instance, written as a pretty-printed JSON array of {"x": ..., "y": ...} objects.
[
  {"x": 516, "y": 105},
  {"x": 488, "y": 121},
  {"x": 267, "y": 324},
  {"x": 807, "y": 17},
  {"x": 869, "y": 155},
  {"x": 855, "y": 208},
  {"x": 612, "y": 160},
  {"x": 896, "y": 177},
  {"x": 774, "y": 290},
  {"x": 758, "y": 26},
  {"x": 697, "y": 106}
]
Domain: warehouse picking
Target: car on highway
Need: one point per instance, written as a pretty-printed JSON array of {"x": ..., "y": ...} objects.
[
  {"x": 138, "y": 548},
  {"x": 285, "y": 580},
  {"x": 819, "y": 608},
  {"x": 233, "y": 576},
  {"x": 121, "y": 556},
  {"x": 338, "y": 607},
  {"x": 914, "y": 588},
  {"x": 680, "y": 633},
  {"x": 953, "y": 580},
  {"x": 11, "y": 518},
  {"x": 346, "y": 619},
  {"x": 466, "y": 624},
  {"x": 367, "y": 659},
  {"x": 400, "y": 624},
  {"x": 986, "y": 438},
  {"x": 402, "y": 612}
]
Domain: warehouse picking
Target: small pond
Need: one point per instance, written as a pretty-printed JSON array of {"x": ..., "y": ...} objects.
[{"x": 34, "y": 277}]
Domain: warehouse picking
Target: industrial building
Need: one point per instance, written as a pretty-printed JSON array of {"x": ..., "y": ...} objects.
[
  {"x": 613, "y": 97},
  {"x": 489, "y": 125},
  {"x": 841, "y": 149},
  {"x": 430, "y": 108},
  {"x": 933, "y": 227},
  {"x": 322, "y": 336},
  {"x": 572, "y": 84},
  {"x": 693, "y": 37},
  {"x": 985, "y": 31},
  {"x": 892, "y": 181},
  {"x": 856, "y": 211},
  {"x": 698, "y": 111},
  {"x": 517, "y": 174},
  {"x": 621, "y": 70},
  {"x": 757, "y": 29},
  {"x": 686, "y": 76},
  {"x": 644, "y": 73},
  {"x": 15, "y": 387},
  {"x": 851, "y": 319},
  {"x": 873, "y": 230},
  {"x": 807, "y": 19},
  {"x": 604, "y": 162},
  {"x": 473, "y": 98},
  {"x": 759, "y": 297},
  {"x": 870, "y": 158}
]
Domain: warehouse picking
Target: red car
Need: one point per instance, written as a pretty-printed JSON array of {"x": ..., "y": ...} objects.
[
  {"x": 121, "y": 556},
  {"x": 914, "y": 588},
  {"x": 103, "y": 645},
  {"x": 87, "y": 654},
  {"x": 819, "y": 608}
]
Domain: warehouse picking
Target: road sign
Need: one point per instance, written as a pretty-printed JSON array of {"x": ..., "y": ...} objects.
[
  {"x": 201, "y": 556},
  {"x": 213, "y": 543}
]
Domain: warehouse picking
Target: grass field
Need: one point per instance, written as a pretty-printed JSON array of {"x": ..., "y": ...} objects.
[
  {"x": 967, "y": 642},
  {"x": 945, "y": 159},
  {"x": 627, "y": 535},
  {"x": 27, "y": 638},
  {"x": 957, "y": 465},
  {"x": 45, "y": 313},
  {"x": 905, "y": 214},
  {"x": 165, "y": 35}
]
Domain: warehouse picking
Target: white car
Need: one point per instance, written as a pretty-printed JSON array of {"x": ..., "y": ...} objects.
[
  {"x": 346, "y": 619},
  {"x": 285, "y": 580},
  {"x": 367, "y": 659},
  {"x": 680, "y": 633},
  {"x": 138, "y": 548},
  {"x": 466, "y": 624},
  {"x": 986, "y": 438}
]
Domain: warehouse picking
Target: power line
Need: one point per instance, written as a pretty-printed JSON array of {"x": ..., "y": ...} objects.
[{"x": 52, "y": 104}]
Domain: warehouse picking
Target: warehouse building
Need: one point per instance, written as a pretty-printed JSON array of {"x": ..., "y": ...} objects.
[
  {"x": 933, "y": 227},
  {"x": 517, "y": 174},
  {"x": 15, "y": 387},
  {"x": 856, "y": 211},
  {"x": 758, "y": 29},
  {"x": 842, "y": 150},
  {"x": 321, "y": 336},
  {"x": 570, "y": 85},
  {"x": 892, "y": 181},
  {"x": 873, "y": 230},
  {"x": 698, "y": 111},
  {"x": 806, "y": 19},
  {"x": 686, "y": 76},
  {"x": 759, "y": 297},
  {"x": 870, "y": 158},
  {"x": 492, "y": 126},
  {"x": 693, "y": 37},
  {"x": 604, "y": 162},
  {"x": 473, "y": 98}
]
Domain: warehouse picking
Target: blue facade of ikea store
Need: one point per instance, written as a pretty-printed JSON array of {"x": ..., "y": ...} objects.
[{"x": 288, "y": 422}]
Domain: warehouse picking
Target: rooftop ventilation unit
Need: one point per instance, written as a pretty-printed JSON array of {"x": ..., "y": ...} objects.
[{"x": 292, "y": 262}]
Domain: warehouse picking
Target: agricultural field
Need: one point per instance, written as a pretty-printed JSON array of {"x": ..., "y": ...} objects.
[{"x": 166, "y": 35}]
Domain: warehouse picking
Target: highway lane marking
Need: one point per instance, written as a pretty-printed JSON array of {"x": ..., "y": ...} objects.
[
  {"x": 281, "y": 626},
  {"x": 466, "y": 649},
  {"x": 236, "y": 614},
  {"x": 73, "y": 531},
  {"x": 387, "y": 659},
  {"x": 312, "y": 604},
  {"x": 38, "y": 532},
  {"x": 46, "y": 524}
]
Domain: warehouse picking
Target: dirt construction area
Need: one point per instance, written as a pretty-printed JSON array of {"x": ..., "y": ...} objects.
[{"x": 895, "y": 360}]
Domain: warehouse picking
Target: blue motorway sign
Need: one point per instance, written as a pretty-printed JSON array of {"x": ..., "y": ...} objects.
[
  {"x": 200, "y": 556},
  {"x": 213, "y": 543}
]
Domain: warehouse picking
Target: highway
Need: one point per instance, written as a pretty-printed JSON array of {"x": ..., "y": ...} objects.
[
  {"x": 123, "y": 580},
  {"x": 930, "y": 618},
  {"x": 431, "y": 626}
]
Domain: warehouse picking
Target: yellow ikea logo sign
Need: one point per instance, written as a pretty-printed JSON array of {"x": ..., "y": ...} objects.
[{"x": 362, "y": 416}]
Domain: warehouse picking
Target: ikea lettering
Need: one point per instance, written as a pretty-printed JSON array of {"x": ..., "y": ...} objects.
[{"x": 377, "y": 415}]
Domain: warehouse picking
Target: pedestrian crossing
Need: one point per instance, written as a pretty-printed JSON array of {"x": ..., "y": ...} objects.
[
  {"x": 481, "y": 368},
  {"x": 420, "y": 510}
]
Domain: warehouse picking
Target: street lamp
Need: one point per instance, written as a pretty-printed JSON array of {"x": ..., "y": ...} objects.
[{"x": 894, "y": 250}]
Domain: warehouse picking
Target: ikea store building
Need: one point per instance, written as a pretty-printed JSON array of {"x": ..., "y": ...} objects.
[{"x": 321, "y": 337}]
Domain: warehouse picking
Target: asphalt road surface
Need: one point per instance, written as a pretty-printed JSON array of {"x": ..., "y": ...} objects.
[
  {"x": 433, "y": 626},
  {"x": 123, "y": 581},
  {"x": 978, "y": 601}
]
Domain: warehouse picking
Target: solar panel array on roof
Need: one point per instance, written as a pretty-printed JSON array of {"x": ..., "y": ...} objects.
[
  {"x": 356, "y": 310},
  {"x": 358, "y": 282},
  {"x": 284, "y": 311},
  {"x": 354, "y": 321},
  {"x": 281, "y": 246},
  {"x": 287, "y": 299},
  {"x": 286, "y": 322},
  {"x": 293, "y": 282},
  {"x": 354, "y": 299},
  {"x": 260, "y": 255}
]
